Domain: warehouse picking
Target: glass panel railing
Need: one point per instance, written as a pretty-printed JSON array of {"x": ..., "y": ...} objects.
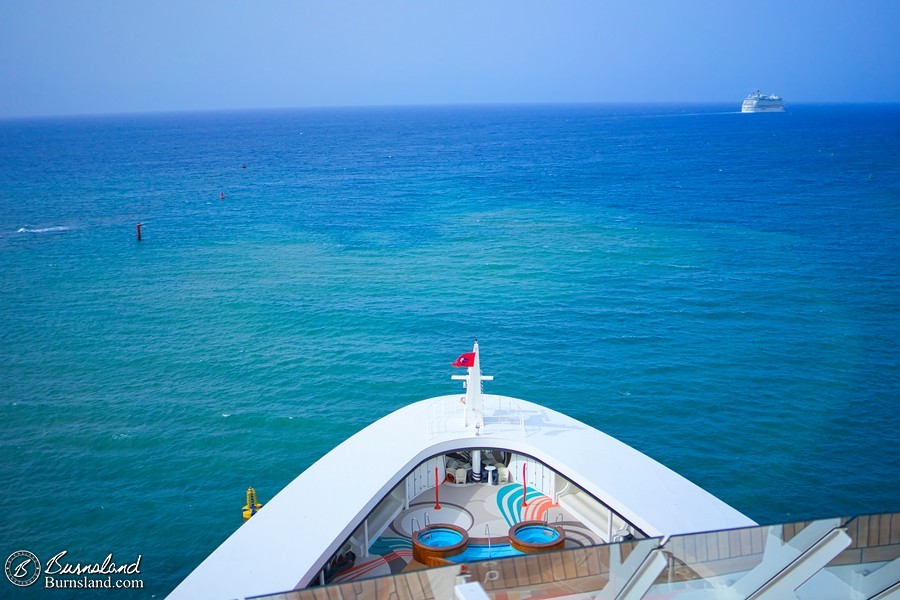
[
  {"x": 830, "y": 558},
  {"x": 740, "y": 563},
  {"x": 601, "y": 571},
  {"x": 596, "y": 570},
  {"x": 424, "y": 584},
  {"x": 868, "y": 567}
]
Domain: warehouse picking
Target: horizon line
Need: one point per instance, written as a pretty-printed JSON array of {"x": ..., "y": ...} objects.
[{"x": 436, "y": 105}]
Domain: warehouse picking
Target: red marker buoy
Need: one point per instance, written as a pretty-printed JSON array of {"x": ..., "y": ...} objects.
[{"x": 138, "y": 228}]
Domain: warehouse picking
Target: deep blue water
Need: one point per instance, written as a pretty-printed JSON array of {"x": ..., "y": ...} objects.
[{"x": 718, "y": 290}]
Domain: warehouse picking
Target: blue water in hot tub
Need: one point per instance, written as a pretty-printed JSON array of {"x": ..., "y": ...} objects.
[
  {"x": 537, "y": 534},
  {"x": 440, "y": 537}
]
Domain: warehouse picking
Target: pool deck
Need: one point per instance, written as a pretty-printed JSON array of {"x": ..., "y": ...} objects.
[{"x": 486, "y": 511}]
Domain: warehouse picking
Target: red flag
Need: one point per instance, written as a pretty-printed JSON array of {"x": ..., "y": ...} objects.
[{"x": 465, "y": 360}]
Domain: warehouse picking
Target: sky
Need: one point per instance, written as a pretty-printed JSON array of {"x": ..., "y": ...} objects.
[{"x": 64, "y": 57}]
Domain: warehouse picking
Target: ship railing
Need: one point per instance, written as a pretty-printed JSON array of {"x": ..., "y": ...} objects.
[
  {"x": 448, "y": 413},
  {"x": 840, "y": 557}
]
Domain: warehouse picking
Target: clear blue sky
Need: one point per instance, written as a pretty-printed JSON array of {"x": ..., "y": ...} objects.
[{"x": 111, "y": 56}]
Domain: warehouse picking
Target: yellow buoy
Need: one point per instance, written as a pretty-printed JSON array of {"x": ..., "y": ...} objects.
[{"x": 252, "y": 505}]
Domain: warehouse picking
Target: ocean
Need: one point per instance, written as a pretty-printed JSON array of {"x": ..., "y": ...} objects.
[{"x": 719, "y": 290}]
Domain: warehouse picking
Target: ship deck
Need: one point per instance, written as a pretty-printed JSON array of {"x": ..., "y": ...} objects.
[
  {"x": 304, "y": 526},
  {"x": 485, "y": 510}
]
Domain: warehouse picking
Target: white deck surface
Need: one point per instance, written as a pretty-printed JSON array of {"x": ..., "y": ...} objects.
[{"x": 290, "y": 539}]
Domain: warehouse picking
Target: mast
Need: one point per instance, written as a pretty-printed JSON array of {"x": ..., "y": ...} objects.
[{"x": 472, "y": 381}]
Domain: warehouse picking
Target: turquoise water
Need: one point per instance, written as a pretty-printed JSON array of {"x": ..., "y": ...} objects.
[
  {"x": 718, "y": 290},
  {"x": 537, "y": 534},
  {"x": 475, "y": 552},
  {"x": 440, "y": 538}
]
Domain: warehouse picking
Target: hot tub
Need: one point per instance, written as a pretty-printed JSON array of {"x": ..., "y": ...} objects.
[
  {"x": 536, "y": 536},
  {"x": 433, "y": 544}
]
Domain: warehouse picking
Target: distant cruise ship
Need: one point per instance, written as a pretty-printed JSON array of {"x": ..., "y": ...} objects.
[{"x": 759, "y": 102}]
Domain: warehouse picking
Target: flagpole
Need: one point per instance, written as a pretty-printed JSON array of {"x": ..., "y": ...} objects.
[
  {"x": 437, "y": 504},
  {"x": 524, "y": 488}
]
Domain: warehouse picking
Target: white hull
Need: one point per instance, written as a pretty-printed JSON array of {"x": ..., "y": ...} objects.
[
  {"x": 756, "y": 109},
  {"x": 355, "y": 491}
]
